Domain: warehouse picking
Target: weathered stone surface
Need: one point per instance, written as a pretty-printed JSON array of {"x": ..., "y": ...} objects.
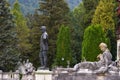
[
  {"x": 86, "y": 76},
  {"x": 43, "y": 75}
]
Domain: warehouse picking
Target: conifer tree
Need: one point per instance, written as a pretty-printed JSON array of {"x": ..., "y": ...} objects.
[
  {"x": 23, "y": 32},
  {"x": 90, "y": 7},
  {"x": 77, "y": 23},
  {"x": 63, "y": 47},
  {"x": 35, "y": 40},
  {"x": 8, "y": 49},
  {"x": 104, "y": 15},
  {"x": 93, "y": 36},
  {"x": 80, "y": 19}
]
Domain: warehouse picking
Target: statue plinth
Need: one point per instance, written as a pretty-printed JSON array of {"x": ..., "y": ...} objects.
[{"x": 43, "y": 75}]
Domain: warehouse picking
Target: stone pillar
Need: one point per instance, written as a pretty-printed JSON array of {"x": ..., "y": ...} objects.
[
  {"x": 1, "y": 76},
  {"x": 118, "y": 49},
  {"x": 7, "y": 76},
  {"x": 43, "y": 75},
  {"x": 16, "y": 76}
]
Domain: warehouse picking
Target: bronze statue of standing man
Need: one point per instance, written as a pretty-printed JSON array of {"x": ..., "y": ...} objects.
[{"x": 43, "y": 47}]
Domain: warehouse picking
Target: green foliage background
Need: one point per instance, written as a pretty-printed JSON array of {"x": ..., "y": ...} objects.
[
  {"x": 9, "y": 54},
  {"x": 90, "y": 23},
  {"x": 93, "y": 36},
  {"x": 63, "y": 54},
  {"x": 23, "y": 32}
]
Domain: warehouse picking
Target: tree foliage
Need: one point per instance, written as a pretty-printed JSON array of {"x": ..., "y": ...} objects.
[
  {"x": 81, "y": 17},
  {"x": 63, "y": 47},
  {"x": 90, "y": 7},
  {"x": 76, "y": 19},
  {"x": 104, "y": 15},
  {"x": 35, "y": 34},
  {"x": 8, "y": 49},
  {"x": 23, "y": 32},
  {"x": 93, "y": 36}
]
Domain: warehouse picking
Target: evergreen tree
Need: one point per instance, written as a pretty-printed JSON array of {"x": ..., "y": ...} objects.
[
  {"x": 63, "y": 47},
  {"x": 93, "y": 36},
  {"x": 52, "y": 14},
  {"x": 23, "y": 32},
  {"x": 104, "y": 15},
  {"x": 80, "y": 19},
  {"x": 35, "y": 40},
  {"x": 90, "y": 7},
  {"x": 77, "y": 16},
  {"x": 8, "y": 50}
]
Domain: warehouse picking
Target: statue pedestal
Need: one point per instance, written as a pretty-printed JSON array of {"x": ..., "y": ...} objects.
[
  {"x": 43, "y": 75},
  {"x": 118, "y": 49}
]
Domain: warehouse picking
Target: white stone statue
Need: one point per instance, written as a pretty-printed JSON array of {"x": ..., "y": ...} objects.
[
  {"x": 104, "y": 64},
  {"x": 29, "y": 67},
  {"x": 21, "y": 68},
  {"x": 101, "y": 65},
  {"x": 25, "y": 67}
]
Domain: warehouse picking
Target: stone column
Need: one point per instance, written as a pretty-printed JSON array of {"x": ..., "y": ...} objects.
[
  {"x": 15, "y": 75},
  {"x": 118, "y": 49},
  {"x": 1, "y": 75}
]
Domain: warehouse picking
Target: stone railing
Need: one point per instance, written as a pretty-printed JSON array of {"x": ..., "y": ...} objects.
[
  {"x": 9, "y": 75},
  {"x": 37, "y": 75},
  {"x": 85, "y": 75},
  {"x": 60, "y": 75}
]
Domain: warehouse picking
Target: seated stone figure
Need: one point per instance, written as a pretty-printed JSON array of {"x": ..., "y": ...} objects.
[{"x": 101, "y": 65}]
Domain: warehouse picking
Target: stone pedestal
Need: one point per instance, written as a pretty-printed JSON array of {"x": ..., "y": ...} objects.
[
  {"x": 43, "y": 75},
  {"x": 118, "y": 49}
]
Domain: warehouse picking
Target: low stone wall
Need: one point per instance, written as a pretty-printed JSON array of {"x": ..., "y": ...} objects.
[
  {"x": 9, "y": 75},
  {"x": 86, "y": 76},
  {"x": 60, "y": 75}
]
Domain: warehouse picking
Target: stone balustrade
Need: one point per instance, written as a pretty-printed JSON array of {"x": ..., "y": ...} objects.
[
  {"x": 86, "y": 75},
  {"x": 9, "y": 75},
  {"x": 61, "y": 75}
]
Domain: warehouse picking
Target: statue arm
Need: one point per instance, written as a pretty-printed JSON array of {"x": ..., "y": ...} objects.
[{"x": 100, "y": 56}]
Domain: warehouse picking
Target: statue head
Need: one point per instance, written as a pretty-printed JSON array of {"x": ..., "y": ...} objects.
[
  {"x": 103, "y": 46},
  {"x": 43, "y": 29}
]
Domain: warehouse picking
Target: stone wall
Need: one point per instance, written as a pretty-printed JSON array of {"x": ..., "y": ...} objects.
[
  {"x": 86, "y": 76},
  {"x": 9, "y": 75},
  {"x": 60, "y": 75}
]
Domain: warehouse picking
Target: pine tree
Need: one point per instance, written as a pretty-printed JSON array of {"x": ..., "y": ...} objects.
[
  {"x": 23, "y": 32},
  {"x": 52, "y": 14},
  {"x": 63, "y": 47},
  {"x": 93, "y": 36},
  {"x": 8, "y": 49},
  {"x": 104, "y": 15}
]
